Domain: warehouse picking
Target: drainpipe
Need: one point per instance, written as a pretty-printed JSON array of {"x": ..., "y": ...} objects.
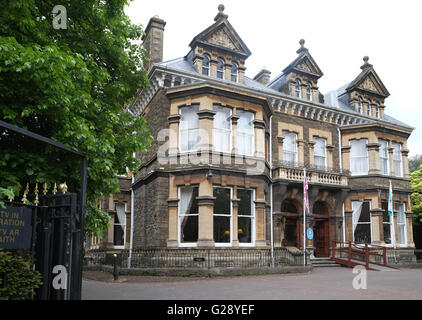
[
  {"x": 132, "y": 210},
  {"x": 339, "y": 150},
  {"x": 271, "y": 193}
]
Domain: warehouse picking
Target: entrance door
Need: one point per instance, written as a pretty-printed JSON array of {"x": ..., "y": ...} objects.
[
  {"x": 321, "y": 238},
  {"x": 290, "y": 233}
]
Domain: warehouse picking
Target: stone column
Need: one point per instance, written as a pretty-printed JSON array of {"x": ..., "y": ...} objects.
[
  {"x": 315, "y": 94},
  {"x": 173, "y": 206},
  {"x": 345, "y": 153},
  {"x": 374, "y": 158},
  {"x": 227, "y": 71},
  {"x": 234, "y": 119},
  {"x": 235, "y": 204},
  {"x": 377, "y": 227},
  {"x": 205, "y": 215},
  {"x": 311, "y": 145},
  {"x": 300, "y": 150},
  {"x": 391, "y": 160},
  {"x": 349, "y": 225},
  {"x": 174, "y": 121},
  {"x": 206, "y": 125},
  {"x": 241, "y": 75},
  {"x": 259, "y": 138},
  {"x": 260, "y": 223},
  {"x": 213, "y": 68},
  {"x": 280, "y": 148},
  {"x": 405, "y": 160},
  {"x": 409, "y": 229},
  {"x": 330, "y": 162}
]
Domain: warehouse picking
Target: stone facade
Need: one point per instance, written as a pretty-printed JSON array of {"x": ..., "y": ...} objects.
[{"x": 292, "y": 127}]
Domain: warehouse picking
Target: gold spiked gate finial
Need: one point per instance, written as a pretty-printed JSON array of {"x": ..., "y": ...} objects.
[
  {"x": 36, "y": 201},
  {"x": 25, "y": 193},
  {"x": 63, "y": 187}
]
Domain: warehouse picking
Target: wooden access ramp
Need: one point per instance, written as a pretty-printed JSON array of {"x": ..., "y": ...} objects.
[{"x": 353, "y": 254}]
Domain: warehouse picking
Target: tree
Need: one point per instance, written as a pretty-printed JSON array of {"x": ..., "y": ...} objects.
[
  {"x": 71, "y": 85},
  {"x": 415, "y": 162},
  {"x": 416, "y": 186}
]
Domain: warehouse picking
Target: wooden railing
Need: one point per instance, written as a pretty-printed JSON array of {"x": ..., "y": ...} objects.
[{"x": 359, "y": 254}]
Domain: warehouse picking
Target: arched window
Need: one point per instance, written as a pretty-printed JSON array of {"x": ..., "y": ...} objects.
[
  {"x": 235, "y": 72},
  {"x": 360, "y": 106},
  {"x": 206, "y": 65},
  {"x": 297, "y": 89},
  {"x": 377, "y": 111},
  {"x": 309, "y": 91},
  {"x": 220, "y": 69},
  {"x": 368, "y": 109}
]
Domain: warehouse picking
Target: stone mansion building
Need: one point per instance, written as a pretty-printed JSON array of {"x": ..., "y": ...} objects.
[{"x": 226, "y": 166}]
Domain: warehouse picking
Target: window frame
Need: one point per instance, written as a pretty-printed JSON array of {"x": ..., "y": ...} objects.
[
  {"x": 403, "y": 206},
  {"x": 381, "y": 141},
  {"x": 357, "y": 223},
  {"x": 239, "y": 112},
  {"x": 120, "y": 224},
  {"x": 179, "y": 215},
  {"x": 235, "y": 74},
  {"x": 395, "y": 152},
  {"x": 286, "y": 133},
  {"x": 230, "y": 243},
  {"x": 208, "y": 67},
  {"x": 309, "y": 91},
  {"x": 325, "y": 153},
  {"x": 354, "y": 157},
  {"x": 252, "y": 217},
  {"x": 230, "y": 130},
  {"x": 298, "y": 91},
  {"x": 180, "y": 130},
  {"x": 220, "y": 60}
]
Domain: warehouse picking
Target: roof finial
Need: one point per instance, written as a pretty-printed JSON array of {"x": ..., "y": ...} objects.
[
  {"x": 366, "y": 64},
  {"x": 220, "y": 14},
  {"x": 302, "y": 48}
]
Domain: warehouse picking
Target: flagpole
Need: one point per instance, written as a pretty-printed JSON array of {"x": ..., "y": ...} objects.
[{"x": 304, "y": 218}]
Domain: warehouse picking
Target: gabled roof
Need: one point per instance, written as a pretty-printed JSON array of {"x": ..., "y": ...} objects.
[
  {"x": 221, "y": 35},
  {"x": 369, "y": 81},
  {"x": 304, "y": 63}
]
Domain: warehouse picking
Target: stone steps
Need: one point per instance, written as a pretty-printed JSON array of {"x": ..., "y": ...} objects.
[{"x": 323, "y": 262}]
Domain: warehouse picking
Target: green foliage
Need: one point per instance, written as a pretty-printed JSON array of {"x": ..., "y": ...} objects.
[
  {"x": 17, "y": 280},
  {"x": 415, "y": 163},
  {"x": 416, "y": 186},
  {"x": 70, "y": 85}
]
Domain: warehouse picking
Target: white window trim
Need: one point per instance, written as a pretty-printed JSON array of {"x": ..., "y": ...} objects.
[
  {"x": 367, "y": 160},
  {"x": 388, "y": 159},
  {"x": 225, "y": 244},
  {"x": 253, "y": 221},
  {"x": 180, "y": 135},
  {"x": 401, "y": 160},
  {"x": 325, "y": 153},
  {"x": 231, "y": 134},
  {"x": 124, "y": 228},
  {"x": 370, "y": 220},
  {"x": 179, "y": 234},
  {"x": 296, "y": 152},
  {"x": 405, "y": 225},
  {"x": 253, "y": 140}
]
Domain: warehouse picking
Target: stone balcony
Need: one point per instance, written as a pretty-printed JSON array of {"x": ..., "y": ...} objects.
[{"x": 294, "y": 172}]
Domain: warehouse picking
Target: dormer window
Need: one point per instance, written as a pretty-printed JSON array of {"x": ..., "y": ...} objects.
[
  {"x": 220, "y": 69},
  {"x": 368, "y": 109},
  {"x": 360, "y": 106},
  {"x": 308, "y": 92},
  {"x": 377, "y": 111},
  {"x": 297, "y": 89},
  {"x": 235, "y": 72},
  {"x": 206, "y": 65}
]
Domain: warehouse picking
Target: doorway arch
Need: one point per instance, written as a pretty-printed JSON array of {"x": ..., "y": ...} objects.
[
  {"x": 290, "y": 210},
  {"x": 320, "y": 211}
]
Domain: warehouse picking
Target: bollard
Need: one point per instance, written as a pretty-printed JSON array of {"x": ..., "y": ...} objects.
[{"x": 115, "y": 271}]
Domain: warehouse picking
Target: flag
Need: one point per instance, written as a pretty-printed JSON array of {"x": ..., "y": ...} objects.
[
  {"x": 305, "y": 193},
  {"x": 390, "y": 201}
]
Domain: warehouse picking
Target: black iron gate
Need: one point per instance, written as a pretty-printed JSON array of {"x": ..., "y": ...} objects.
[{"x": 55, "y": 245}]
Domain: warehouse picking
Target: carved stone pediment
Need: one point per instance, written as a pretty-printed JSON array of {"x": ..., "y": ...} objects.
[
  {"x": 221, "y": 38},
  {"x": 368, "y": 84}
]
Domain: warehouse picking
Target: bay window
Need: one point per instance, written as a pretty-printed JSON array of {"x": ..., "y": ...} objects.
[
  {"x": 188, "y": 126},
  {"x": 358, "y": 157},
  {"x": 245, "y": 133},
  {"x": 222, "y": 129},
  {"x": 188, "y": 215},
  {"x": 290, "y": 148}
]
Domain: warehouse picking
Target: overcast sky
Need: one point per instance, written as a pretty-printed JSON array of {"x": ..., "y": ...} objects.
[{"x": 337, "y": 33}]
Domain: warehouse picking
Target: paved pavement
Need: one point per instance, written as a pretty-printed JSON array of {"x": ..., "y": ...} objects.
[{"x": 322, "y": 283}]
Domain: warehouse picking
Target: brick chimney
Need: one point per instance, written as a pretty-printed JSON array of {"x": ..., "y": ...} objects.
[
  {"x": 263, "y": 76},
  {"x": 153, "y": 40}
]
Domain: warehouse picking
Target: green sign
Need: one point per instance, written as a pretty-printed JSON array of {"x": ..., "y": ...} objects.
[{"x": 15, "y": 228}]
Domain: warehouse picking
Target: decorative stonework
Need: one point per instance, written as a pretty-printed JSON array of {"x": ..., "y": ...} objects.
[
  {"x": 368, "y": 84},
  {"x": 221, "y": 38}
]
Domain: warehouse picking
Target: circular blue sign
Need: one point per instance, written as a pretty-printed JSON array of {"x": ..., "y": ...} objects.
[{"x": 310, "y": 233}]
